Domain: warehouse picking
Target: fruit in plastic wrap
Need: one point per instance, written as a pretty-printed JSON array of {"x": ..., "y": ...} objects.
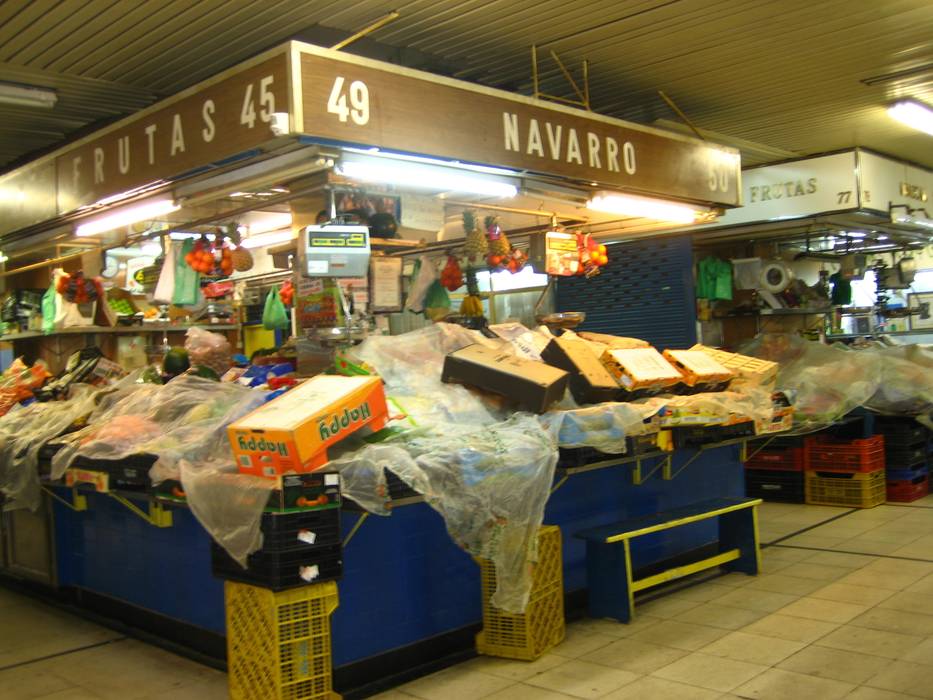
[
  {"x": 206, "y": 349},
  {"x": 452, "y": 274}
]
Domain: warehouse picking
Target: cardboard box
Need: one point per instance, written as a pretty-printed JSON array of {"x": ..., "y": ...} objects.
[
  {"x": 533, "y": 385},
  {"x": 291, "y": 433},
  {"x": 640, "y": 368},
  {"x": 590, "y": 381},
  {"x": 698, "y": 368}
]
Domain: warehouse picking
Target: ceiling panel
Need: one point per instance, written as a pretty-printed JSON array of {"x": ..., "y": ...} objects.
[{"x": 786, "y": 75}]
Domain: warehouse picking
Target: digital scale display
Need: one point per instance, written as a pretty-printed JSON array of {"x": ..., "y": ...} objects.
[{"x": 336, "y": 251}]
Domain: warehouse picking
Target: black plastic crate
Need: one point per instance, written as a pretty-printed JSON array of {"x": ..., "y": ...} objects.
[
  {"x": 292, "y": 532},
  {"x": 579, "y": 456},
  {"x": 131, "y": 472},
  {"x": 901, "y": 430},
  {"x": 775, "y": 485},
  {"x": 903, "y": 457},
  {"x": 279, "y": 571},
  {"x": 785, "y": 442},
  {"x": 696, "y": 436}
]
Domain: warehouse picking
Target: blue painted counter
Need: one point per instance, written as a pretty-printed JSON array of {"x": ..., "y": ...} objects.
[{"x": 404, "y": 579}]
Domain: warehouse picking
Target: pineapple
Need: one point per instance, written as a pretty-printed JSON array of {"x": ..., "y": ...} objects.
[
  {"x": 475, "y": 245},
  {"x": 242, "y": 259},
  {"x": 499, "y": 246}
]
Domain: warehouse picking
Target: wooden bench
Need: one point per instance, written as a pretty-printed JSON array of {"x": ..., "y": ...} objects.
[{"x": 609, "y": 573}]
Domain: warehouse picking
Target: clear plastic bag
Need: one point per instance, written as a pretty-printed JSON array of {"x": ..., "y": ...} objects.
[{"x": 207, "y": 349}]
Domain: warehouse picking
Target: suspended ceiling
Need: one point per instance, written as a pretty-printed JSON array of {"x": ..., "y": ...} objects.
[{"x": 777, "y": 79}]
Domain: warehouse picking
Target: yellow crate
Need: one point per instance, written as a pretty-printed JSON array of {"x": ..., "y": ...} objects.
[
  {"x": 278, "y": 644},
  {"x": 528, "y": 635},
  {"x": 749, "y": 369},
  {"x": 852, "y": 489}
]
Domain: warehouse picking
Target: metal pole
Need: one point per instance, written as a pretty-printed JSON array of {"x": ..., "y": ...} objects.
[{"x": 366, "y": 30}]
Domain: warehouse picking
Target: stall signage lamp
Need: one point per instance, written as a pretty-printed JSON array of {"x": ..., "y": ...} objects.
[
  {"x": 126, "y": 216},
  {"x": 631, "y": 205},
  {"x": 425, "y": 177},
  {"x": 914, "y": 114}
]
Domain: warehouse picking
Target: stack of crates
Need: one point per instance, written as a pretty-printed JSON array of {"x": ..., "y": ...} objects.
[
  {"x": 907, "y": 452},
  {"x": 528, "y": 635},
  {"x": 278, "y": 644},
  {"x": 776, "y": 471},
  {"x": 845, "y": 472}
]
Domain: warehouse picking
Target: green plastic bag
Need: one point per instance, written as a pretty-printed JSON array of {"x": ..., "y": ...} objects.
[
  {"x": 274, "y": 314},
  {"x": 49, "y": 308},
  {"x": 187, "y": 280}
]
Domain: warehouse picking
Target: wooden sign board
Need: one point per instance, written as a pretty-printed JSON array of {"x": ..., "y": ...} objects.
[{"x": 368, "y": 103}]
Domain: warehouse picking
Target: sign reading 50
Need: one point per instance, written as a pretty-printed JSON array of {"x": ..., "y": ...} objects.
[{"x": 349, "y": 103}]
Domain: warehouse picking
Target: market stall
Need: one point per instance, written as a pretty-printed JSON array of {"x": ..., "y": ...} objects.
[{"x": 309, "y": 194}]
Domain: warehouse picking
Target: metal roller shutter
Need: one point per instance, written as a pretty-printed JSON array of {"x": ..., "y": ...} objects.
[{"x": 646, "y": 291}]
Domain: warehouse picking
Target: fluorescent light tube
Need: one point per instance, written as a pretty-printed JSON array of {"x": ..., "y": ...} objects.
[
  {"x": 913, "y": 114},
  {"x": 425, "y": 177},
  {"x": 127, "y": 216},
  {"x": 644, "y": 207},
  {"x": 265, "y": 239},
  {"x": 27, "y": 95}
]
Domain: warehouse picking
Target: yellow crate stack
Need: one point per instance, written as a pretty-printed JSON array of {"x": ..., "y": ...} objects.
[
  {"x": 853, "y": 489},
  {"x": 278, "y": 644},
  {"x": 528, "y": 635}
]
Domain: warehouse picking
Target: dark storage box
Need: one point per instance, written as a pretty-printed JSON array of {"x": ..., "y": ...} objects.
[
  {"x": 533, "y": 385},
  {"x": 775, "y": 485},
  {"x": 294, "y": 493},
  {"x": 279, "y": 571},
  {"x": 697, "y": 435},
  {"x": 590, "y": 381},
  {"x": 301, "y": 531},
  {"x": 131, "y": 473}
]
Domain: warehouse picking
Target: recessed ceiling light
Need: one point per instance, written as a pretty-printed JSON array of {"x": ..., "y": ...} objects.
[
  {"x": 27, "y": 95},
  {"x": 914, "y": 114}
]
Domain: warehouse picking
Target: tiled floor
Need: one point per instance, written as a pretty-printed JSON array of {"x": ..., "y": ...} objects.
[{"x": 842, "y": 609}]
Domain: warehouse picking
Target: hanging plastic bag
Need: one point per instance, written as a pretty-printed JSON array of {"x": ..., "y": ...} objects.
[
  {"x": 49, "y": 309},
  {"x": 423, "y": 276},
  {"x": 165, "y": 287},
  {"x": 274, "y": 314},
  {"x": 187, "y": 280}
]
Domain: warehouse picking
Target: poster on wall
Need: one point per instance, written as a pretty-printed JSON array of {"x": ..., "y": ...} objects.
[{"x": 916, "y": 300}]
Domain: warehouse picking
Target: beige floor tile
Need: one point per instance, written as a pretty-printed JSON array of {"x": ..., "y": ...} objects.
[
  {"x": 909, "y": 602},
  {"x": 898, "y": 566},
  {"x": 612, "y": 628},
  {"x": 756, "y": 599},
  {"x": 634, "y": 656},
  {"x": 794, "y": 629},
  {"x": 9, "y": 598},
  {"x": 522, "y": 691},
  {"x": 722, "y": 616},
  {"x": 735, "y": 579},
  {"x": 393, "y": 694},
  {"x": 924, "y": 585},
  {"x": 843, "y": 528},
  {"x": 914, "y": 550},
  {"x": 513, "y": 670},
  {"x": 209, "y": 690},
  {"x": 23, "y": 683},
  {"x": 455, "y": 684},
  {"x": 819, "y": 572},
  {"x": 904, "y": 677},
  {"x": 577, "y": 643},
  {"x": 665, "y": 607},
  {"x": 651, "y": 688},
  {"x": 896, "y": 621},
  {"x": 825, "y": 610},
  {"x": 753, "y": 648},
  {"x": 878, "y": 514},
  {"x": 890, "y": 535},
  {"x": 679, "y": 635},
  {"x": 890, "y": 645},
  {"x": 922, "y": 653},
  {"x": 33, "y": 630},
  {"x": 74, "y": 694},
  {"x": 702, "y": 592},
  {"x": 776, "y": 684},
  {"x": 848, "y": 666},
  {"x": 866, "y": 693},
  {"x": 772, "y": 567},
  {"x": 840, "y": 559},
  {"x": 787, "y": 554},
  {"x": 863, "y": 546},
  {"x": 847, "y": 593},
  {"x": 788, "y": 585},
  {"x": 712, "y": 672},
  {"x": 582, "y": 679},
  {"x": 814, "y": 541},
  {"x": 880, "y": 579}
]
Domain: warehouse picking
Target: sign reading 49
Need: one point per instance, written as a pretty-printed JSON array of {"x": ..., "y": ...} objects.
[{"x": 357, "y": 96}]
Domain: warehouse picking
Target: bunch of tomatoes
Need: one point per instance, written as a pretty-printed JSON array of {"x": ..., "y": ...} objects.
[{"x": 212, "y": 258}]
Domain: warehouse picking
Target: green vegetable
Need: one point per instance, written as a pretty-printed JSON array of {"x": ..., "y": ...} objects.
[
  {"x": 206, "y": 372},
  {"x": 176, "y": 361}
]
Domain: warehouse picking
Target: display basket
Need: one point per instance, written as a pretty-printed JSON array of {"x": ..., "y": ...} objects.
[
  {"x": 863, "y": 455},
  {"x": 750, "y": 369},
  {"x": 790, "y": 459},
  {"x": 526, "y": 636},
  {"x": 852, "y": 489},
  {"x": 915, "y": 486},
  {"x": 771, "y": 484},
  {"x": 278, "y": 644}
]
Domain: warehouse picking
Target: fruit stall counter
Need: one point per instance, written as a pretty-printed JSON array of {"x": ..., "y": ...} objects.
[{"x": 408, "y": 595}]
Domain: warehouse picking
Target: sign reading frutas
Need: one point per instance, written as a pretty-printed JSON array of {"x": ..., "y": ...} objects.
[{"x": 292, "y": 433}]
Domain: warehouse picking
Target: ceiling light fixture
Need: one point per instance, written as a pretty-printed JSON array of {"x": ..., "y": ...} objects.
[
  {"x": 425, "y": 177},
  {"x": 127, "y": 216},
  {"x": 914, "y": 114},
  {"x": 645, "y": 208},
  {"x": 27, "y": 95},
  {"x": 271, "y": 238}
]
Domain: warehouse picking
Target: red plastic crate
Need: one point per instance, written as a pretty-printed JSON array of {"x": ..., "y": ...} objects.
[
  {"x": 908, "y": 490},
  {"x": 790, "y": 459},
  {"x": 864, "y": 455}
]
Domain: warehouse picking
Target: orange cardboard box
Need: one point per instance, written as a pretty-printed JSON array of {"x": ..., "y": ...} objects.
[{"x": 292, "y": 433}]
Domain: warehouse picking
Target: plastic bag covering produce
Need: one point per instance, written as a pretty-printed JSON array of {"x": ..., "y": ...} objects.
[
  {"x": 490, "y": 483},
  {"x": 206, "y": 349},
  {"x": 603, "y": 426},
  {"x": 186, "y": 418},
  {"x": 228, "y": 504},
  {"x": 828, "y": 381},
  {"x": 906, "y": 386},
  {"x": 18, "y": 381}
]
